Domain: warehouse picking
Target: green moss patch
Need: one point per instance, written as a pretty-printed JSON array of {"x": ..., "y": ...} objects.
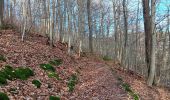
[
  {"x": 8, "y": 73},
  {"x": 47, "y": 67},
  {"x": 3, "y": 81},
  {"x": 53, "y": 75},
  {"x": 23, "y": 73},
  {"x": 56, "y": 62},
  {"x": 128, "y": 89},
  {"x": 54, "y": 98},
  {"x": 2, "y": 58},
  {"x": 107, "y": 58},
  {"x": 3, "y": 96},
  {"x": 72, "y": 82},
  {"x": 37, "y": 83}
]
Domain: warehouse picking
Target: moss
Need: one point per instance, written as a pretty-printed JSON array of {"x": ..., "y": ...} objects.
[
  {"x": 3, "y": 81},
  {"x": 47, "y": 67},
  {"x": 127, "y": 88},
  {"x": 72, "y": 82},
  {"x": 9, "y": 72},
  {"x": 2, "y": 58},
  {"x": 56, "y": 62},
  {"x": 106, "y": 58},
  {"x": 53, "y": 75},
  {"x": 54, "y": 98},
  {"x": 135, "y": 96},
  {"x": 37, "y": 83},
  {"x": 3, "y": 96},
  {"x": 23, "y": 73}
]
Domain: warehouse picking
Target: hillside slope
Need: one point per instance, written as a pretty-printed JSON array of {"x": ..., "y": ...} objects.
[{"x": 97, "y": 80}]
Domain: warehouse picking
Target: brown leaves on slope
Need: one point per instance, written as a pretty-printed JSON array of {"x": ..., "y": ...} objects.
[{"x": 31, "y": 53}]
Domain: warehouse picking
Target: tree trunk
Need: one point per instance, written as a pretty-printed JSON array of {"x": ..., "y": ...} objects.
[
  {"x": 150, "y": 39},
  {"x": 90, "y": 26},
  {"x": 1, "y": 11}
]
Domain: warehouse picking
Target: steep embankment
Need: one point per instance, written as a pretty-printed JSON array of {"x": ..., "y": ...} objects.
[{"x": 94, "y": 79}]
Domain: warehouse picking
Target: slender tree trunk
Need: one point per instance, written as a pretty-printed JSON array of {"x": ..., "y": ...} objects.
[
  {"x": 124, "y": 56},
  {"x": 24, "y": 19},
  {"x": 148, "y": 34}
]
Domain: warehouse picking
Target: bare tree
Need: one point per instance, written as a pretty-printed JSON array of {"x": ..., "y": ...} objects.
[
  {"x": 150, "y": 38},
  {"x": 90, "y": 26}
]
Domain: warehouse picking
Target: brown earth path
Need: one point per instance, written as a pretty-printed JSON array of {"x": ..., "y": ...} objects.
[{"x": 98, "y": 82}]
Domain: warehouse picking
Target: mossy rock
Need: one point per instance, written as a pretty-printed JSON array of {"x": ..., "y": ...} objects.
[
  {"x": 2, "y": 58},
  {"x": 53, "y": 75},
  {"x": 37, "y": 83},
  {"x": 72, "y": 82},
  {"x": 54, "y": 98},
  {"x": 3, "y": 96},
  {"x": 23, "y": 73},
  {"x": 47, "y": 67},
  {"x": 56, "y": 62}
]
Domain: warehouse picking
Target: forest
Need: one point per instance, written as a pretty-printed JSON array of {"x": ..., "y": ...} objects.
[{"x": 84, "y": 50}]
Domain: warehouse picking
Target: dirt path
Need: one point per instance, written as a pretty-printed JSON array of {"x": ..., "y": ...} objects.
[{"x": 96, "y": 82}]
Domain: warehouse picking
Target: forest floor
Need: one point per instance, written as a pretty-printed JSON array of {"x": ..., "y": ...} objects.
[{"x": 96, "y": 79}]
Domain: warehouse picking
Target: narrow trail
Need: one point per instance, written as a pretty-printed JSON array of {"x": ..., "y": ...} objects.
[{"x": 97, "y": 82}]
